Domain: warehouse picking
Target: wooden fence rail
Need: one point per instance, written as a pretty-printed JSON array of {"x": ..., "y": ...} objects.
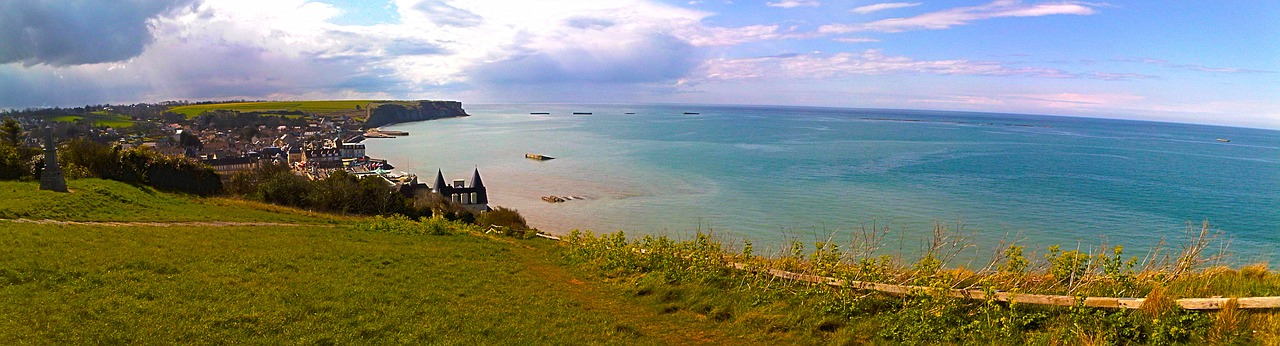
[
  {"x": 1020, "y": 298},
  {"x": 1214, "y": 303}
]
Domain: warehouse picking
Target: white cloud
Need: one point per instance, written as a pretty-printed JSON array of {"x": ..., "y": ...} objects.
[
  {"x": 963, "y": 16},
  {"x": 883, "y": 6},
  {"x": 1079, "y": 100},
  {"x": 254, "y": 49},
  {"x": 705, "y": 36},
  {"x": 1194, "y": 67},
  {"x": 855, "y": 39},
  {"x": 794, "y": 3},
  {"x": 869, "y": 62}
]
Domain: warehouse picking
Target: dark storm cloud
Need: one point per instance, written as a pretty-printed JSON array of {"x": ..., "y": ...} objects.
[
  {"x": 67, "y": 32},
  {"x": 652, "y": 58}
]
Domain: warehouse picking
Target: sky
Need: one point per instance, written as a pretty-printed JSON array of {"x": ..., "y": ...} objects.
[{"x": 1210, "y": 62}]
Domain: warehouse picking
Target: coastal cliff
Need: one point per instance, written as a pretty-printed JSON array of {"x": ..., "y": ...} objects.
[{"x": 380, "y": 114}]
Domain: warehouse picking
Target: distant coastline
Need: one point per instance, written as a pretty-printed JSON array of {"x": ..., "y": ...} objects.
[{"x": 382, "y": 114}]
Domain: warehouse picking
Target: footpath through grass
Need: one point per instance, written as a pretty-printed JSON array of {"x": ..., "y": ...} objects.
[
  {"x": 286, "y": 285},
  {"x": 361, "y": 281},
  {"x": 334, "y": 279}
]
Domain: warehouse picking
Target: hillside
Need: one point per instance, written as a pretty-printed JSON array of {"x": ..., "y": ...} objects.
[
  {"x": 115, "y": 263},
  {"x": 323, "y": 279},
  {"x": 106, "y": 200},
  {"x": 327, "y": 108},
  {"x": 374, "y": 112}
]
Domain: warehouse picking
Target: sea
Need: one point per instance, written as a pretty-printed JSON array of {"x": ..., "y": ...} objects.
[{"x": 773, "y": 175}]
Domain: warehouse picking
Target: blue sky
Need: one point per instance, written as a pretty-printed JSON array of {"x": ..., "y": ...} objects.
[{"x": 1182, "y": 61}]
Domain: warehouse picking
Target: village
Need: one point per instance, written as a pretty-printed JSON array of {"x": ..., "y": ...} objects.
[{"x": 311, "y": 145}]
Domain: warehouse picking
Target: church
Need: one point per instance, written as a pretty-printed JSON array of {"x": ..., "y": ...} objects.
[{"x": 471, "y": 196}]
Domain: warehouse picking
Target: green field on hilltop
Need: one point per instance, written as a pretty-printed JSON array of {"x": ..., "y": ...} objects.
[
  {"x": 319, "y": 107},
  {"x": 99, "y": 118},
  {"x": 106, "y": 200}
]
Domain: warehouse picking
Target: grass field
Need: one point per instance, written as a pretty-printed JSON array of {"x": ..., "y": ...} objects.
[
  {"x": 305, "y": 106},
  {"x": 105, "y": 200},
  {"x": 328, "y": 279},
  {"x": 305, "y": 284},
  {"x": 99, "y": 118}
]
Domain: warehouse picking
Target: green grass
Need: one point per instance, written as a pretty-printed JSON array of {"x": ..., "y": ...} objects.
[
  {"x": 381, "y": 281},
  {"x": 306, "y": 285},
  {"x": 341, "y": 280},
  {"x": 99, "y": 118},
  {"x": 691, "y": 276},
  {"x": 319, "y": 107},
  {"x": 106, "y": 200}
]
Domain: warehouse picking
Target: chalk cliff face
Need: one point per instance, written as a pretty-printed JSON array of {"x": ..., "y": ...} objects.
[{"x": 400, "y": 112}]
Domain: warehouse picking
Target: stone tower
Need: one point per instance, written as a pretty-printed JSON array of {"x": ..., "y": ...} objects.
[{"x": 51, "y": 176}]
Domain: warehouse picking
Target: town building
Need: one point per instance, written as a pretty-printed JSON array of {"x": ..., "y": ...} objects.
[
  {"x": 323, "y": 158},
  {"x": 228, "y": 166},
  {"x": 352, "y": 150},
  {"x": 473, "y": 196}
]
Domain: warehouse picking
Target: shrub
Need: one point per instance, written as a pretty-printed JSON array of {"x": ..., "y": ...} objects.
[
  {"x": 84, "y": 158},
  {"x": 400, "y": 224},
  {"x": 506, "y": 219}
]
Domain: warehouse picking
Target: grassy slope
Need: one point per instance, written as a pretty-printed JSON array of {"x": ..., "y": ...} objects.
[
  {"x": 326, "y": 283},
  {"x": 83, "y": 284},
  {"x": 105, "y": 200},
  {"x": 291, "y": 284}
]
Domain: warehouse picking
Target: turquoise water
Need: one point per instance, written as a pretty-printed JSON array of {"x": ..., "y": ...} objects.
[{"x": 776, "y": 173}]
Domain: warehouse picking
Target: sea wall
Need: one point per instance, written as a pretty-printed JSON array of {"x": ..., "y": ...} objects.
[{"x": 380, "y": 114}]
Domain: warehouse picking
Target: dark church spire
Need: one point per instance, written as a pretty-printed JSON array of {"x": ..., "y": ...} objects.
[
  {"x": 439, "y": 186},
  {"x": 477, "y": 185},
  {"x": 475, "y": 179}
]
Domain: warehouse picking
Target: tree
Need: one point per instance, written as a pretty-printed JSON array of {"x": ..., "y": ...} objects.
[
  {"x": 504, "y": 217},
  {"x": 15, "y": 158},
  {"x": 12, "y": 166},
  {"x": 338, "y": 192},
  {"x": 11, "y": 132},
  {"x": 189, "y": 140},
  {"x": 376, "y": 198},
  {"x": 285, "y": 189}
]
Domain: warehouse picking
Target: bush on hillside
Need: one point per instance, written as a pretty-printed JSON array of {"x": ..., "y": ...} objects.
[
  {"x": 15, "y": 159},
  {"x": 13, "y": 165},
  {"x": 84, "y": 158},
  {"x": 286, "y": 189},
  {"x": 434, "y": 204},
  {"x": 509, "y": 220}
]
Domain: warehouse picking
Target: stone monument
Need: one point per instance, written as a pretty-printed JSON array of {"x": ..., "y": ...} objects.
[{"x": 51, "y": 177}]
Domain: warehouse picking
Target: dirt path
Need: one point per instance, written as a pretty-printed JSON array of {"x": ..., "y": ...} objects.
[
  {"x": 162, "y": 224},
  {"x": 644, "y": 321}
]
